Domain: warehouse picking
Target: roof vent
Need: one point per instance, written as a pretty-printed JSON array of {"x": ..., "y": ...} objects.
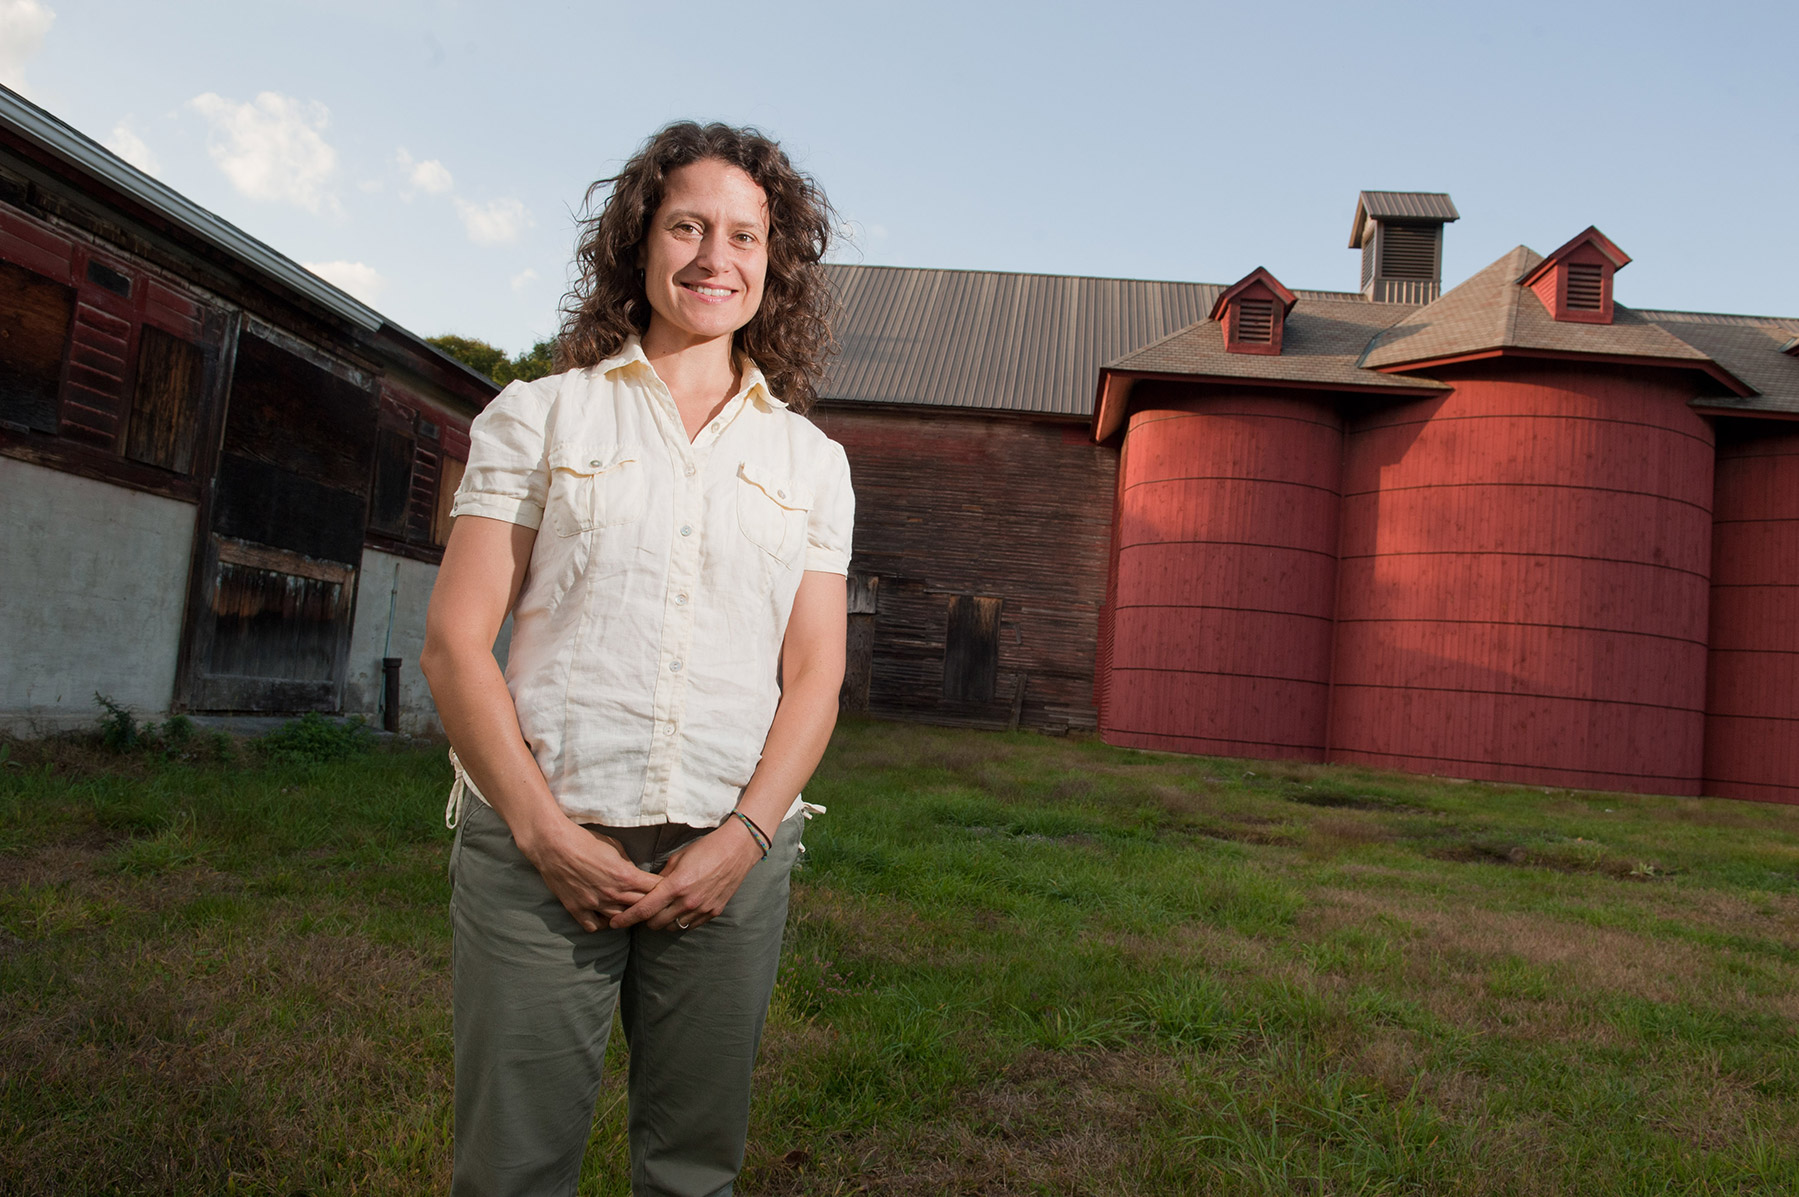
[
  {"x": 1253, "y": 313},
  {"x": 1400, "y": 234},
  {"x": 1575, "y": 282},
  {"x": 1791, "y": 347}
]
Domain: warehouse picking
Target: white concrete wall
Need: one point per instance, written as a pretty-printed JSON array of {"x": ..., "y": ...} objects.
[
  {"x": 401, "y": 586},
  {"x": 93, "y": 582}
]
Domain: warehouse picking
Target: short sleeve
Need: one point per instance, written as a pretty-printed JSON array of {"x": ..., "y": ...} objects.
[
  {"x": 833, "y": 517},
  {"x": 506, "y": 478}
]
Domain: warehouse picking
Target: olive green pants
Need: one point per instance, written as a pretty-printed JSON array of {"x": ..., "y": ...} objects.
[{"x": 534, "y": 996}]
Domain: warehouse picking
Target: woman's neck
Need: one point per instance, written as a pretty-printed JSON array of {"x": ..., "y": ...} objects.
[{"x": 700, "y": 374}]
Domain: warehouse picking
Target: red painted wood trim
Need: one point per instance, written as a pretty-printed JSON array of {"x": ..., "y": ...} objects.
[
  {"x": 102, "y": 465},
  {"x": 1707, "y": 409},
  {"x": 1707, "y": 367}
]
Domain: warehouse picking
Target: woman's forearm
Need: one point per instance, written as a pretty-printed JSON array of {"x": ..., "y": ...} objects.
[
  {"x": 483, "y": 569},
  {"x": 482, "y": 724},
  {"x": 796, "y": 741}
]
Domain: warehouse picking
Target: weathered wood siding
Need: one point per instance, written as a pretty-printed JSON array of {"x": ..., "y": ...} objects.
[{"x": 1001, "y": 508}]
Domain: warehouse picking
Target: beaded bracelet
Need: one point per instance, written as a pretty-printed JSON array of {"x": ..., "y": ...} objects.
[{"x": 756, "y": 833}]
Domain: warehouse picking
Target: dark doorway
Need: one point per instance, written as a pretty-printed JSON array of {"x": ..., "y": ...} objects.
[
  {"x": 971, "y": 648},
  {"x": 270, "y": 613}
]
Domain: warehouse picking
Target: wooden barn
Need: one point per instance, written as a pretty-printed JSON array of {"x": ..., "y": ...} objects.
[
  {"x": 1516, "y": 531},
  {"x": 224, "y": 482},
  {"x": 964, "y": 400}
]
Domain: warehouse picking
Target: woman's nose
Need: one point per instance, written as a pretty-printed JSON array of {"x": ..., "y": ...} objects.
[{"x": 711, "y": 253}]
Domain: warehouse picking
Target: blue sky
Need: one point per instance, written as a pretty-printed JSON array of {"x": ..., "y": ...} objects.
[{"x": 428, "y": 154}]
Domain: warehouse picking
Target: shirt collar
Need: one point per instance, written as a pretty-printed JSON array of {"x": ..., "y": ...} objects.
[{"x": 754, "y": 385}]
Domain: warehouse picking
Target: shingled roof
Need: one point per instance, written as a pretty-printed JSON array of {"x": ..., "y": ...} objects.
[
  {"x": 1752, "y": 348},
  {"x": 1492, "y": 313},
  {"x": 1324, "y": 339},
  {"x": 986, "y": 340}
]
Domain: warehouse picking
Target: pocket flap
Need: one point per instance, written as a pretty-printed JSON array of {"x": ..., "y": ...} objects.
[
  {"x": 783, "y": 490},
  {"x": 587, "y": 459}
]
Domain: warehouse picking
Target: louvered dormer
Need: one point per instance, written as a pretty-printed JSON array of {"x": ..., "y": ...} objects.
[
  {"x": 1253, "y": 313},
  {"x": 1575, "y": 282},
  {"x": 1400, "y": 234}
]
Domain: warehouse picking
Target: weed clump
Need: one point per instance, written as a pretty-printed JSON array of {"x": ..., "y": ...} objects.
[
  {"x": 175, "y": 738},
  {"x": 313, "y": 739}
]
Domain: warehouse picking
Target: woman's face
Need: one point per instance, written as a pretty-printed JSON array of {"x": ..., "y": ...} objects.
[{"x": 705, "y": 255}]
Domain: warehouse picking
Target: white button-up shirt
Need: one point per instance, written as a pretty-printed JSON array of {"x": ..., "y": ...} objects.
[{"x": 647, "y": 636}]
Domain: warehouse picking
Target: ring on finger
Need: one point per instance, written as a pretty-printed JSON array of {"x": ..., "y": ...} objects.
[{"x": 683, "y": 926}]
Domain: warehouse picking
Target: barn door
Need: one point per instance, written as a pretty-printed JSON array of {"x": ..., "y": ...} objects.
[{"x": 269, "y": 614}]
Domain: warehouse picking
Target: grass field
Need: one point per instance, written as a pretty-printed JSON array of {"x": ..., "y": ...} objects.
[{"x": 1015, "y": 965}]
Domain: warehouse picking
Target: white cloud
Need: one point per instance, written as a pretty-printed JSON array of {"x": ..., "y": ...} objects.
[
  {"x": 430, "y": 176},
  {"x": 131, "y": 148},
  {"x": 23, "y": 24},
  {"x": 272, "y": 148},
  {"x": 361, "y": 280},
  {"x": 523, "y": 279},
  {"x": 497, "y": 223}
]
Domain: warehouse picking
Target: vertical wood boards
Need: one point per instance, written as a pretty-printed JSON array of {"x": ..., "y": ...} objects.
[
  {"x": 1524, "y": 579},
  {"x": 1752, "y": 700},
  {"x": 957, "y": 503},
  {"x": 1226, "y": 546},
  {"x": 971, "y": 648},
  {"x": 166, "y": 405}
]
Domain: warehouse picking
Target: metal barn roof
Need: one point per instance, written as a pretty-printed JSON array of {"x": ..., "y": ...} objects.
[
  {"x": 986, "y": 340},
  {"x": 24, "y": 120},
  {"x": 1399, "y": 205}
]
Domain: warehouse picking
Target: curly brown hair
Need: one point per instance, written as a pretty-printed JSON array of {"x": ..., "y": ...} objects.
[{"x": 790, "y": 335}]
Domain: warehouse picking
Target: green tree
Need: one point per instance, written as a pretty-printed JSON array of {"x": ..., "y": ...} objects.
[
  {"x": 492, "y": 361},
  {"x": 534, "y": 362},
  {"x": 476, "y": 355}
]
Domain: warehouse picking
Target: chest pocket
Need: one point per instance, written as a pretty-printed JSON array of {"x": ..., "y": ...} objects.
[
  {"x": 592, "y": 488},
  {"x": 772, "y": 510}
]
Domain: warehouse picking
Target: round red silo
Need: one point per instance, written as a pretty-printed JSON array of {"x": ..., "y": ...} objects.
[
  {"x": 1226, "y": 564},
  {"x": 1752, "y": 701},
  {"x": 1524, "y": 580}
]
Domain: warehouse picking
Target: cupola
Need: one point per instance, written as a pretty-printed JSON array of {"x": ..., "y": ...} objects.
[
  {"x": 1253, "y": 313},
  {"x": 1400, "y": 234},
  {"x": 1575, "y": 282}
]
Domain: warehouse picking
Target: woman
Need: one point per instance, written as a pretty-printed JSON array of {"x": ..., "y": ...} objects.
[{"x": 671, "y": 537}]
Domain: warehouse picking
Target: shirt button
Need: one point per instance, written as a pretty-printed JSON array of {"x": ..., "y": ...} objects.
[
  {"x": 668, "y": 729},
  {"x": 691, "y": 469},
  {"x": 780, "y": 494},
  {"x": 594, "y": 464},
  {"x": 674, "y": 666},
  {"x": 680, "y": 600},
  {"x": 686, "y": 529}
]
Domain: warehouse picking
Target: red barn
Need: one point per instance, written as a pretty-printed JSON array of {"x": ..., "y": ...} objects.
[
  {"x": 1515, "y": 531},
  {"x": 1518, "y": 531}
]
